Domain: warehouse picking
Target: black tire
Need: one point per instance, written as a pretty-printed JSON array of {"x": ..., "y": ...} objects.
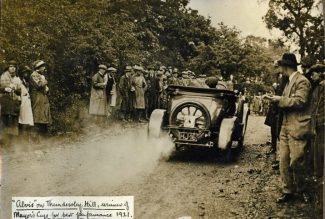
[
  {"x": 226, "y": 155},
  {"x": 193, "y": 109}
]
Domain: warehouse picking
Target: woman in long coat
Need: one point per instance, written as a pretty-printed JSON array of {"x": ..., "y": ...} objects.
[
  {"x": 10, "y": 103},
  {"x": 98, "y": 97},
  {"x": 140, "y": 86}
]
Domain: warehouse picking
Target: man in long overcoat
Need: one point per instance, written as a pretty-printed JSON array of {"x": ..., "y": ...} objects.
[
  {"x": 39, "y": 99},
  {"x": 98, "y": 97},
  {"x": 318, "y": 120},
  {"x": 125, "y": 92},
  {"x": 139, "y": 84},
  {"x": 111, "y": 90},
  {"x": 295, "y": 130},
  {"x": 152, "y": 90}
]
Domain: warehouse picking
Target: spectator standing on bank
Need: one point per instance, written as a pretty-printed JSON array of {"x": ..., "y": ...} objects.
[
  {"x": 125, "y": 92},
  {"x": 274, "y": 116},
  {"x": 26, "y": 120},
  {"x": 10, "y": 89},
  {"x": 306, "y": 63},
  {"x": 39, "y": 99},
  {"x": 173, "y": 79},
  {"x": 294, "y": 131},
  {"x": 146, "y": 94},
  {"x": 152, "y": 90},
  {"x": 317, "y": 73},
  {"x": 140, "y": 86},
  {"x": 111, "y": 90},
  {"x": 98, "y": 97},
  {"x": 318, "y": 122}
]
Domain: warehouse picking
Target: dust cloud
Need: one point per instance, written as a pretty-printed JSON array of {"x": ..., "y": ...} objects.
[
  {"x": 113, "y": 159},
  {"x": 87, "y": 165}
]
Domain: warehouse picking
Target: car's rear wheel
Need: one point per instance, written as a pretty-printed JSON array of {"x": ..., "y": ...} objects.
[
  {"x": 182, "y": 114},
  {"x": 190, "y": 116}
]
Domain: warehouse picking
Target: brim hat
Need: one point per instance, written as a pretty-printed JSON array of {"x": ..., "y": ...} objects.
[
  {"x": 307, "y": 62},
  {"x": 288, "y": 60},
  {"x": 111, "y": 69},
  {"x": 104, "y": 67},
  {"x": 317, "y": 68},
  {"x": 138, "y": 68},
  {"x": 128, "y": 69},
  {"x": 38, "y": 64},
  {"x": 12, "y": 63}
]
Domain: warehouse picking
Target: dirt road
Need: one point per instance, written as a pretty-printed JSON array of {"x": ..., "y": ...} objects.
[{"x": 165, "y": 184}]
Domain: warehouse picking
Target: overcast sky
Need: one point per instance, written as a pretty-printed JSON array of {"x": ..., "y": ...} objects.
[{"x": 245, "y": 15}]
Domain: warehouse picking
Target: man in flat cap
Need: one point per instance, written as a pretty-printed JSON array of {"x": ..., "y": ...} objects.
[
  {"x": 173, "y": 79},
  {"x": 10, "y": 89},
  {"x": 98, "y": 97},
  {"x": 125, "y": 85},
  {"x": 295, "y": 130},
  {"x": 111, "y": 91},
  {"x": 140, "y": 86},
  {"x": 40, "y": 102},
  {"x": 317, "y": 73},
  {"x": 152, "y": 90}
]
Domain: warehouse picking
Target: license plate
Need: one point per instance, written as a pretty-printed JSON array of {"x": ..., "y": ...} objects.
[{"x": 187, "y": 136}]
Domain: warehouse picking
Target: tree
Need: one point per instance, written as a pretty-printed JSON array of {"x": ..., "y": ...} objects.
[{"x": 301, "y": 21}]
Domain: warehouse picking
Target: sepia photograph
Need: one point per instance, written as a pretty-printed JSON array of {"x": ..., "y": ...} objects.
[{"x": 162, "y": 109}]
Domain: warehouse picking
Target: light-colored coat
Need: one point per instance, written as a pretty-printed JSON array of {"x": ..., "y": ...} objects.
[
  {"x": 98, "y": 97},
  {"x": 140, "y": 86},
  {"x": 26, "y": 113},
  {"x": 294, "y": 105}
]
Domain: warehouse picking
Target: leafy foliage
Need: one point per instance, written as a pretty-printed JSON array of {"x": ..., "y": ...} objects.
[
  {"x": 74, "y": 36},
  {"x": 301, "y": 21}
]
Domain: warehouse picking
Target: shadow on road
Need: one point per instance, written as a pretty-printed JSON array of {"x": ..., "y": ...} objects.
[{"x": 204, "y": 155}]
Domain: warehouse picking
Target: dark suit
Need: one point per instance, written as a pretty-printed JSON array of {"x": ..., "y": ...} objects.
[{"x": 294, "y": 133}]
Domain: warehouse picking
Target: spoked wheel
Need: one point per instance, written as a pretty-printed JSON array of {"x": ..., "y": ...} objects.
[{"x": 191, "y": 115}]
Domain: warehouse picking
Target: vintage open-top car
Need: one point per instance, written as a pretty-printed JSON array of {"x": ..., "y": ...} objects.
[{"x": 206, "y": 117}]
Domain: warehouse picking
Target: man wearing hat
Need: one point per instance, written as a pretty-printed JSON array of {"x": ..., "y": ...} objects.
[
  {"x": 317, "y": 73},
  {"x": 10, "y": 89},
  {"x": 152, "y": 90},
  {"x": 317, "y": 108},
  {"x": 274, "y": 117},
  {"x": 295, "y": 130},
  {"x": 306, "y": 63},
  {"x": 40, "y": 102},
  {"x": 173, "y": 79},
  {"x": 125, "y": 92},
  {"x": 111, "y": 91},
  {"x": 98, "y": 96},
  {"x": 140, "y": 86}
]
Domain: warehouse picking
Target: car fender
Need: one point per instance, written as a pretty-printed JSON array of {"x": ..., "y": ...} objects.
[
  {"x": 246, "y": 113},
  {"x": 226, "y": 130},
  {"x": 156, "y": 123}
]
